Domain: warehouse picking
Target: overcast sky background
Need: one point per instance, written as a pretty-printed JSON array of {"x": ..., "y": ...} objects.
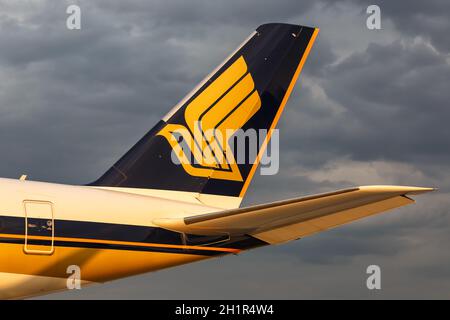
[{"x": 371, "y": 107}]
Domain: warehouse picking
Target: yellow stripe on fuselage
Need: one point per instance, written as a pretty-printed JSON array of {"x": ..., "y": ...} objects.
[{"x": 96, "y": 265}]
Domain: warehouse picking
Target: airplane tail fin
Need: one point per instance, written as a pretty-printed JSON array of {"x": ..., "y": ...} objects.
[{"x": 191, "y": 148}]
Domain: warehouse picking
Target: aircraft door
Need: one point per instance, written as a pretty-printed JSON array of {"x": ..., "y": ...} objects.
[{"x": 39, "y": 227}]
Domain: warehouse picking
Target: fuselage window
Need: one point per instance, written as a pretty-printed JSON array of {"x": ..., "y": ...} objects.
[{"x": 196, "y": 240}]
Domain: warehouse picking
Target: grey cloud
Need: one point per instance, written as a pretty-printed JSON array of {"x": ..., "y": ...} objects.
[
  {"x": 386, "y": 102},
  {"x": 418, "y": 18}
]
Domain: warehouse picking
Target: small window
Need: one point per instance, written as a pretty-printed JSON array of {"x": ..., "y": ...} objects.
[{"x": 196, "y": 240}]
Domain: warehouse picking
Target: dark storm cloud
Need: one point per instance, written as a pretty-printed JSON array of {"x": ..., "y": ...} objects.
[
  {"x": 405, "y": 84},
  {"x": 428, "y": 19},
  {"x": 130, "y": 63},
  {"x": 198, "y": 13},
  {"x": 391, "y": 96},
  {"x": 127, "y": 61},
  {"x": 371, "y": 107}
]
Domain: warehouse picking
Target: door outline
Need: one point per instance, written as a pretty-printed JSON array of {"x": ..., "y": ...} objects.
[{"x": 52, "y": 246}]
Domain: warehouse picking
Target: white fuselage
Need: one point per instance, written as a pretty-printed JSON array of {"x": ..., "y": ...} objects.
[{"x": 108, "y": 234}]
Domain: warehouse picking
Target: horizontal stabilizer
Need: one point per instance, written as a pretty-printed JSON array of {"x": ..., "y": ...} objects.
[{"x": 296, "y": 218}]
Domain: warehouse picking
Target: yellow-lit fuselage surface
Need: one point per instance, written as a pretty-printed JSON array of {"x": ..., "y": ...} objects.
[{"x": 103, "y": 232}]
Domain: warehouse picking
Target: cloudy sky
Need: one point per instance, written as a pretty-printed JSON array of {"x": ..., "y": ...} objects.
[{"x": 371, "y": 107}]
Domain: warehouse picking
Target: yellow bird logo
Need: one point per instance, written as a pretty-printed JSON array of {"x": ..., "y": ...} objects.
[{"x": 212, "y": 118}]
